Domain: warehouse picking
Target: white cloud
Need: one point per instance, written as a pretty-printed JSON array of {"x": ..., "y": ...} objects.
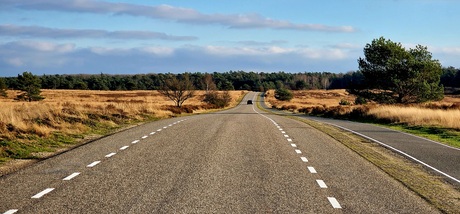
[
  {"x": 167, "y": 12},
  {"x": 45, "y": 32}
]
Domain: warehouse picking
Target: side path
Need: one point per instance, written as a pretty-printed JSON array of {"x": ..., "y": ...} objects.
[{"x": 442, "y": 159}]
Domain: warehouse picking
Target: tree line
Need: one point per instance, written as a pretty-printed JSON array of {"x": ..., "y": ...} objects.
[{"x": 232, "y": 80}]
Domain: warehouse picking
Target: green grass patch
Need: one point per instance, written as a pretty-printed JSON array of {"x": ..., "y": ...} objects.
[{"x": 447, "y": 136}]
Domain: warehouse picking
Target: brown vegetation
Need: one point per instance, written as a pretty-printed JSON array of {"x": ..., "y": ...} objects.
[
  {"x": 445, "y": 113},
  {"x": 30, "y": 128}
]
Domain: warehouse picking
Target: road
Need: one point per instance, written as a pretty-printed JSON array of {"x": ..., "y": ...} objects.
[
  {"x": 234, "y": 161},
  {"x": 440, "y": 158}
]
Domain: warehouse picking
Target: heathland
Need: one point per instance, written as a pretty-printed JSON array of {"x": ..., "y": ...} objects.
[
  {"x": 436, "y": 120},
  {"x": 66, "y": 118}
]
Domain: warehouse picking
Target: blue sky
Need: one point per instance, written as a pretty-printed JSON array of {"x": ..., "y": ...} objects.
[{"x": 140, "y": 36}]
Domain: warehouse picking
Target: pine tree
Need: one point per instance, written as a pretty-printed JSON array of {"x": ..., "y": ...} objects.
[{"x": 30, "y": 86}]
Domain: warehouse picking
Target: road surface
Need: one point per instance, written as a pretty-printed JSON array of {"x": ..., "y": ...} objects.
[
  {"x": 440, "y": 158},
  {"x": 235, "y": 161}
]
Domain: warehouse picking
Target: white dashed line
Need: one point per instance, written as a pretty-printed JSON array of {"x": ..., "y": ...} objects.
[
  {"x": 10, "y": 211},
  {"x": 293, "y": 145},
  {"x": 159, "y": 130},
  {"x": 321, "y": 184},
  {"x": 304, "y": 159},
  {"x": 124, "y": 147},
  {"x": 280, "y": 129},
  {"x": 170, "y": 125},
  {"x": 289, "y": 139},
  {"x": 134, "y": 142},
  {"x": 42, "y": 193},
  {"x": 93, "y": 164},
  {"x": 73, "y": 175},
  {"x": 165, "y": 127},
  {"x": 110, "y": 155},
  {"x": 152, "y": 133},
  {"x": 283, "y": 132},
  {"x": 286, "y": 135},
  {"x": 298, "y": 151},
  {"x": 312, "y": 169},
  {"x": 334, "y": 202},
  {"x": 145, "y": 137}
]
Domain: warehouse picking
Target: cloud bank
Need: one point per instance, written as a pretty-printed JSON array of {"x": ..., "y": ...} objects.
[
  {"x": 167, "y": 12},
  {"x": 46, "y": 57},
  {"x": 55, "y": 33}
]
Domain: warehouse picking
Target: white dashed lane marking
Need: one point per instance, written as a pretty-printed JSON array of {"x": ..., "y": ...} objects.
[
  {"x": 110, "y": 155},
  {"x": 334, "y": 202},
  {"x": 304, "y": 159},
  {"x": 321, "y": 184},
  {"x": 145, "y": 137},
  {"x": 293, "y": 145},
  {"x": 134, "y": 142},
  {"x": 159, "y": 130},
  {"x": 152, "y": 133},
  {"x": 124, "y": 147},
  {"x": 289, "y": 139},
  {"x": 10, "y": 211},
  {"x": 286, "y": 135},
  {"x": 93, "y": 164},
  {"x": 73, "y": 175},
  {"x": 42, "y": 193},
  {"x": 312, "y": 169},
  {"x": 298, "y": 151}
]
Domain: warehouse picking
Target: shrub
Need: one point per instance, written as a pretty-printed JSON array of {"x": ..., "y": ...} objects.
[
  {"x": 283, "y": 94},
  {"x": 360, "y": 100},
  {"x": 344, "y": 102},
  {"x": 218, "y": 100}
]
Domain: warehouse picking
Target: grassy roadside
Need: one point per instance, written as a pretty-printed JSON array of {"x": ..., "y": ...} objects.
[
  {"x": 432, "y": 188},
  {"x": 30, "y": 132}
]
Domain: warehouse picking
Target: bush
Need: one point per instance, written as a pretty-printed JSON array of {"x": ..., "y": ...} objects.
[
  {"x": 360, "y": 100},
  {"x": 344, "y": 102},
  {"x": 218, "y": 100},
  {"x": 283, "y": 94}
]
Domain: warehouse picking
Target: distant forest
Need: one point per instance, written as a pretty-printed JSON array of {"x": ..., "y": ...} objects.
[{"x": 232, "y": 80}]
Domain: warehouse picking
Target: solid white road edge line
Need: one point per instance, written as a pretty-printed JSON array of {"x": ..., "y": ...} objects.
[
  {"x": 73, "y": 175},
  {"x": 334, "y": 202},
  {"x": 42, "y": 193},
  {"x": 397, "y": 150}
]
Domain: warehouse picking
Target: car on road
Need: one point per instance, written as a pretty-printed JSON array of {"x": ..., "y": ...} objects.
[{"x": 249, "y": 102}]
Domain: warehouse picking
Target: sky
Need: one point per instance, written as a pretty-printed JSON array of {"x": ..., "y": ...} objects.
[{"x": 150, "y": 36}]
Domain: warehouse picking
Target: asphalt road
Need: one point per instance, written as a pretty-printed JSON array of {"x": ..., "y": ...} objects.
[
  {"x": 235, "y": 161},
  {"x": 440, "y": 158}
]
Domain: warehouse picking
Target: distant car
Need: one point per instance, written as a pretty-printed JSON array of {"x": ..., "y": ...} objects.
[{"x": 249, "y": 102}]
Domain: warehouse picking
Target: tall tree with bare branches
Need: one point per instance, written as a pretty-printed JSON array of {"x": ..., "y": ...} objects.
[{"x": 177, "y": 90}]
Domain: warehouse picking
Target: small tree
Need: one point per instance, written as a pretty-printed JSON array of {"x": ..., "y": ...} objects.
[
  {"x": 30, "y": 86},
  {"x": 283, "y": 94},
  {"x": 3, "y": 88},
  {"x": 393, "y": 74},
  {"x": 177, "y": 90}
]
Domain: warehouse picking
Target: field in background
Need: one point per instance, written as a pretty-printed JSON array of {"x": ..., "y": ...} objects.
[
  {"x": 36, "y": 129},
  {"x": 436, "y": 120}
]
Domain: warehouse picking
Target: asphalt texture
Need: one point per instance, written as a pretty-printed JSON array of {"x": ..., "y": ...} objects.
[
  {"x": 241, "y": 160},
  {"x": 439, "y": 158}
]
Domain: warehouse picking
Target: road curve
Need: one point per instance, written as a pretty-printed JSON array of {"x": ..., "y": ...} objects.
[
  {"x": 440, "y": 158},
  {"x": 234, "y": 161}
]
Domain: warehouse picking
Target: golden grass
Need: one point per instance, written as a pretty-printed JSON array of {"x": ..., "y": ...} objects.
[
  {"x": 67, "y": 111},
  {"x": 413, "y": 115},
  {"x": 444, "y": 113}
]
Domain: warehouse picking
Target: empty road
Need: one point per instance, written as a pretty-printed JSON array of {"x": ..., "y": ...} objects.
[{"x": 235, "y": 161}]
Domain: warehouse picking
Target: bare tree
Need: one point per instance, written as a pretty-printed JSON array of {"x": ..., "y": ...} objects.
[
  {"x": 209, "y": 83},
  {"x": 177, "y": 90}
]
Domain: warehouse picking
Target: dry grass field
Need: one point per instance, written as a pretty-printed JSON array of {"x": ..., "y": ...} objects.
[
  {"x": 64, "y": 117},
  {"x": 444, "y": 113}
]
